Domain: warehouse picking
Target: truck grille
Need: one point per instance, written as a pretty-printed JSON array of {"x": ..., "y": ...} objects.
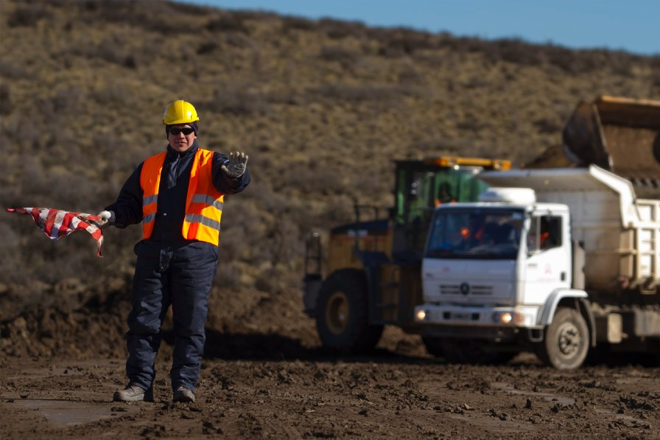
[{"x": 475, "y": 289}]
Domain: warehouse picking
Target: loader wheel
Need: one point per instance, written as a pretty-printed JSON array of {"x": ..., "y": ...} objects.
[
  {"x": 566, "y": 341},
  {"x": 342, "y": 318},
  {"x": 473, "y": 351}
]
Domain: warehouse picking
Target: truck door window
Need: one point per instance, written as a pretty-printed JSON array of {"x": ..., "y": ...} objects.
[{"x": 544, "y": 233}]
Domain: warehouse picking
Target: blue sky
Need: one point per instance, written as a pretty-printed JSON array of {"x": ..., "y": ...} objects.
[{"x": 631, "y": 25}]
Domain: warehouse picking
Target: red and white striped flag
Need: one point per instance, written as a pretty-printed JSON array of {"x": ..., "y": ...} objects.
[{"x": 57, "y": 223}]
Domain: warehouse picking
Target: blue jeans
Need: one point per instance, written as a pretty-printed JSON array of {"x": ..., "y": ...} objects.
[{"x": 181, "y": 277}]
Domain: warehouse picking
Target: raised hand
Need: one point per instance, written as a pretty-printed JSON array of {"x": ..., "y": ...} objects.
[{"x": 236, "y": 165}]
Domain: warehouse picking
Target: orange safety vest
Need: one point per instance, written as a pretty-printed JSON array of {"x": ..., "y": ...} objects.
[{"x": 203, "y": 201}]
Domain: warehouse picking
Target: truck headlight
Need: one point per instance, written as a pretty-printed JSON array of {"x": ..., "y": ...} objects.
[
  {"x": 509, "y": 318},
  {"x": 506, "y": 318},
  {"x": 420, "y": 315}
]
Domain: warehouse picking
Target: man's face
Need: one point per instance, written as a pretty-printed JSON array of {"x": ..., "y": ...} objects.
[{"x": 178, "y": 139}]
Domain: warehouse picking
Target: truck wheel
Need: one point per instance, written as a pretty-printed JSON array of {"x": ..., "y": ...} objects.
[
  {"x": 342, "y": 318},
  {"x": 473, "y": 351},
  {"x": 566, "y": 341},
  {"x": 433, "y": 346}
]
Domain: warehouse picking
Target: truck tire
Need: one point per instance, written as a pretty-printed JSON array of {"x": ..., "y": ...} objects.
[
  {"x": 342, "y": 313},
  {"x": 473, "y": 351},
  {"x": 433, "y": 346},
  {"x": 566, "y": 342}
]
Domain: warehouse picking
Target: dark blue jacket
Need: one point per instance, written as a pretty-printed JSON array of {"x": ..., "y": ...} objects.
[{"x": 171, "y": 195}]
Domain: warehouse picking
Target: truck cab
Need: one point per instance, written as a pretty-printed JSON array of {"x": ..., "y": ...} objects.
[{"x": 488, "y": 271}]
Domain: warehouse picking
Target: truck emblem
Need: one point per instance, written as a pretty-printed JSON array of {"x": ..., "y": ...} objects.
[{"x": 465, "y": 288}]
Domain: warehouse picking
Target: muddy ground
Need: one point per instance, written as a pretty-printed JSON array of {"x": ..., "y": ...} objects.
[{"x": 264, "y": 376}]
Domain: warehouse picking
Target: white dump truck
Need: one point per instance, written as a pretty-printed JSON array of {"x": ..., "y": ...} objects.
[{"x": 555, "y": 261}]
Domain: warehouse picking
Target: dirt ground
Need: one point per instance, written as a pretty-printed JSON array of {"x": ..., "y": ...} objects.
[{"x": 264, "y": 376}]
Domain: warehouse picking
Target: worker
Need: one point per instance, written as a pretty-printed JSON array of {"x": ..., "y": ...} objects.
[{"x": 178, "y": 196}]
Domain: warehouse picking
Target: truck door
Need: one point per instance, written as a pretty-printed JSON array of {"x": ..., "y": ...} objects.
[{"x": 548, "y": 265}]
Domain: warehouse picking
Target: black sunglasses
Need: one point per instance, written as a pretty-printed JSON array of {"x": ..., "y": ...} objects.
[{"x": 175, "y": 131}]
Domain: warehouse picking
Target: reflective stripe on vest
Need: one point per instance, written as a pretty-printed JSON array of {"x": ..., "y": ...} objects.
[
  {"x": 203, "y": 202},
  {"x": 196, "y": 218}
]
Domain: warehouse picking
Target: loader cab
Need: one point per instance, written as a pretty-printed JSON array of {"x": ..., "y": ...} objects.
[{"x": 423, "y": 185}]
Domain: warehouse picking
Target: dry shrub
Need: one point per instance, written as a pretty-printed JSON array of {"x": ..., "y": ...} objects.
[
  {"x": 238, "y": 40},
  {"x": 150, "y": 15},
  {"x": 239, "y": 102},
  {"x": 400, "y": 41},
  {"x": 65, "y": 101},
  {"x": 290, "y": 23},
  {"x": 21, "y": 134},
  {"x": 548, "y": 125},
  {"x": 11, "y": 247},
  {"x": 472, "y": 122},
  {"x": 228, "y": 275},
  {"x": 289, "y": 96},
  {"x": 113, "y": 94},
  {"x": 28, "y": 15},
  {"x": 345, "y": 57},
  {"x": 5, "y": 100},
  {"x": 111, "y": 50},
  {"x": 655, "y": 79},
  {"x": 339, "y": 29},
  {"x": 312, "y": 180},
  {"x": 190, "y": 9},
  {"x": 360, "y": 93},
  {"x": 276, "y": 279},
  {"x": 228, "y": 23},
  {"x": 207, "y": 47},
  {"x": 10, "y": 70},
  {"x": 411, "y": 76},
  {"x": 242, "y": 229}
]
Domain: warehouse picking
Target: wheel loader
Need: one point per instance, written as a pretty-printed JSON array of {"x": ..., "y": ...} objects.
[{"x": 373, "y": 266}]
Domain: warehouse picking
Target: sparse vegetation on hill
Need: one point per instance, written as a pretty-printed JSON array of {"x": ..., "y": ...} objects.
[{"x": 321, "y": 107}]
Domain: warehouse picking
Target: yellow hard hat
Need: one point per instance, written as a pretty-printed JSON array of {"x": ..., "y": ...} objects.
[{"x": 180, "y": 112}]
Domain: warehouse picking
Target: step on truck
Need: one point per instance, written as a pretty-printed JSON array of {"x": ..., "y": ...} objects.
[{"x": 560, "y": 262}]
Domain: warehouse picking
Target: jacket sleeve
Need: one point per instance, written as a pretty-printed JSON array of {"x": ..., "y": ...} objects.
[
  {"x": 224, "y": 183},
  {"x": 128, "y": 207}
]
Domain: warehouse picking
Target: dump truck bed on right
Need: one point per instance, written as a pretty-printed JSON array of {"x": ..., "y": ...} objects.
[{"x": 617, "y": 231}]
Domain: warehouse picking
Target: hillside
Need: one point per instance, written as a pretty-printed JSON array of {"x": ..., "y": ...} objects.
[{"x": 321, "y": 107}]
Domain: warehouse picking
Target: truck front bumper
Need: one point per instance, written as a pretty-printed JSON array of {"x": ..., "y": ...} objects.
[{"x": 477, "y": 322}]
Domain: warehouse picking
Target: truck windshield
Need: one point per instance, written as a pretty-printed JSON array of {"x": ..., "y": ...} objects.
[{"x": 475, "y": 234}]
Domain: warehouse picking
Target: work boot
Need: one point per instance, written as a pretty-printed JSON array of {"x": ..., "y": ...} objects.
[
  {"x": 183, "y": 394},
  {"x": 133, "y": 393}
]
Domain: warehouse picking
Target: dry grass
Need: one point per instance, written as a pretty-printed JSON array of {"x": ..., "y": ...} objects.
[{"x": 322, "y": 107}]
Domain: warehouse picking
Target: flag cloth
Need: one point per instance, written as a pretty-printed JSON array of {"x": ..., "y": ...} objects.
[{"x": 57, "y": 223}]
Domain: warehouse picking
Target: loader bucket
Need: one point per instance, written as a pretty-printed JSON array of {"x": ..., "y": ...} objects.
[{"x": 618, "y": 134}]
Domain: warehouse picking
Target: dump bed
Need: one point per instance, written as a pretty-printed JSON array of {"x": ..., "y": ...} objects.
[{"x": 618, "y": 232}]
